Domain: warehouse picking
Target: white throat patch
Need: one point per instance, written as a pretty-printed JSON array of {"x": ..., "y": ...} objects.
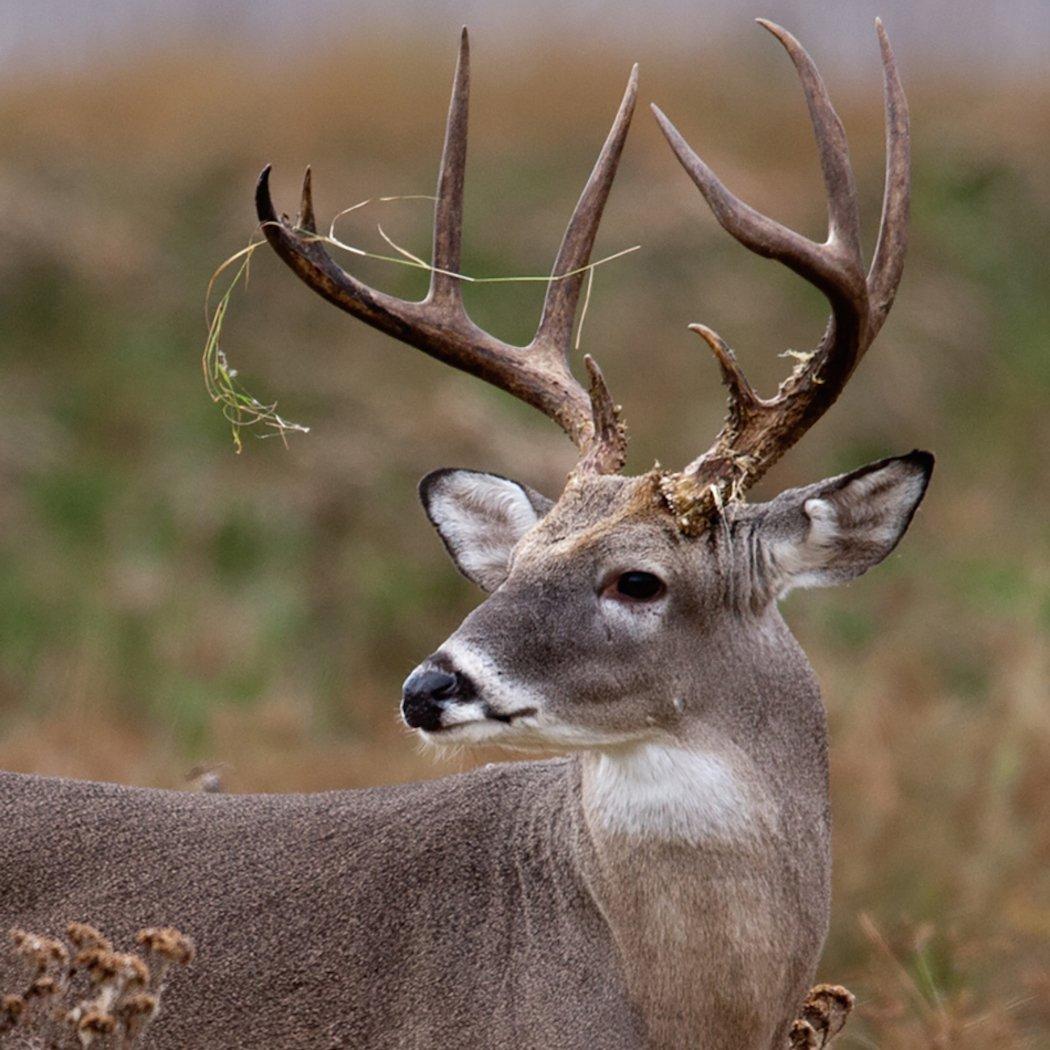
[{"x": 656, "y": 790}]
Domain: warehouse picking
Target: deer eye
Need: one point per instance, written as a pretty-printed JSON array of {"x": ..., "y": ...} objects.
[{"x": 638, "y": 586}]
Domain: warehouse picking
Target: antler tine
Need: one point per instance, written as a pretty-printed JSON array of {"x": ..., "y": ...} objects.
[
  {"x": 448, "y": 210},
  {"x": 312, "y": 264},
  {"x": 888, "y": 262},
  {"x": 744, "y": 403},
  {"x": 554, "y": 334},
  {"x": 757, "y": 432},
  {"x": 755, "y": 231},
  {"x": 607, "y": 452},
  {"x": 843, "y": 212},
  {"x": 837, "y": 273},
  {"x": 306, "y": 220}
]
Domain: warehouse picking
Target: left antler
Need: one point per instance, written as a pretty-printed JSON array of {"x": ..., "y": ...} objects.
[
  {"x": 758, "y": 431},
  {"x": 538, "y": 374}
]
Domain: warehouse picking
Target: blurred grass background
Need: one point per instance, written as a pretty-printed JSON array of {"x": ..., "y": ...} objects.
[{"x": 165, "y": 603}]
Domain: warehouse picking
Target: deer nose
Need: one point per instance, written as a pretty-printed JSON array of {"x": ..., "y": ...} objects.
[{"x": 421, "y": 697}]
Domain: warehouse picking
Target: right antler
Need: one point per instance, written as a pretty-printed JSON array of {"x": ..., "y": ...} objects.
[
  {"x": 758, "y": 431},
  {"x": 538, "y": 374}
]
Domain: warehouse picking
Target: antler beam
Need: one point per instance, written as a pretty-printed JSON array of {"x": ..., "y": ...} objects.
[{"x": 539, "y": 374}]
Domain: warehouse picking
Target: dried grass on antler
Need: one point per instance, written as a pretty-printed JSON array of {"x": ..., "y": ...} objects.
[{"x": 539, "y": 374}]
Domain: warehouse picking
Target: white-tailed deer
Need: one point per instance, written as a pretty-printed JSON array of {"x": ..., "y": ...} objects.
[{"x": 665, "y": 884}]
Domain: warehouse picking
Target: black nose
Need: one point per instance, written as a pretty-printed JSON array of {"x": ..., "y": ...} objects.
[{"x": 421, "y": 696}]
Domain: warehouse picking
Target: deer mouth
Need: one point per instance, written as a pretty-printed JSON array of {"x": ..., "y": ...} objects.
[
  {"x": 488, "y": 715},
  {"x": 509, "y": 719}
]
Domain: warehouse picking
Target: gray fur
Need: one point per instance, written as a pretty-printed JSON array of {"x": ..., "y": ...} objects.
[{"x": 388, "y": 918}]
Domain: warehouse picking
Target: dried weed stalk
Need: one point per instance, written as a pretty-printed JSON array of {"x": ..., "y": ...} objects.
[
  {"x": 86, "y": 994},
  {"x": 824, "y": 1014}
]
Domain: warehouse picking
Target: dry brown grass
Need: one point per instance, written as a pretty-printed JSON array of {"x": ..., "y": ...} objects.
[{"x": 83, "y": 993}]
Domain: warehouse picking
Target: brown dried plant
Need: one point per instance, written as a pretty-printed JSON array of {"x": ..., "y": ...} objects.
[
  {"x": 87, "y": 994},
  {"x": 824, "y": 1014}
]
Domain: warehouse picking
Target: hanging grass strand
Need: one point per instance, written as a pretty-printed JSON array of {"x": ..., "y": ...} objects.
[{"x": 240, "y": 409}]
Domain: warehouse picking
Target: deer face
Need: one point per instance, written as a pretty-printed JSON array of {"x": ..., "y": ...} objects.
[{"x": 605, "y": 620}]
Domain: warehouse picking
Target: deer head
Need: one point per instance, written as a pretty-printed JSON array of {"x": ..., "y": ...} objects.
[{"x": 634, "y": 607}]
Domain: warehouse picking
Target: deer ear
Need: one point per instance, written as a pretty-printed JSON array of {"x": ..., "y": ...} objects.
[
  {"x": 837, "y": 529},
  {"x": 480, "y": 518}
]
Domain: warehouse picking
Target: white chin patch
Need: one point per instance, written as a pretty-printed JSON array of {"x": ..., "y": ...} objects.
[
  {"x": 467, "y": 724},
  {"x": 484, "y": 731},
  {"x": 463, "y": 723},
  {"x": 458, "y": 714}
]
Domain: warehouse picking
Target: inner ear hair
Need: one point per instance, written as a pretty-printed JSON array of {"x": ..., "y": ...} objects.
[
  {"x": 863, "y": 496},
  {"x": 838, "y": 529}
]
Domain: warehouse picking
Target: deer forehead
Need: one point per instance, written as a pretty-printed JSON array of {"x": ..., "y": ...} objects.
[{"x": 599, "y": 517}]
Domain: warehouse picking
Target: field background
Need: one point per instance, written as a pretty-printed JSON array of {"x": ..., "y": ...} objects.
[{"x": 166, "y": 604}]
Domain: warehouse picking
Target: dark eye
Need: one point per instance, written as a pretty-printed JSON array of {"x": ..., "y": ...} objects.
[{"x": 639, "y": 586}]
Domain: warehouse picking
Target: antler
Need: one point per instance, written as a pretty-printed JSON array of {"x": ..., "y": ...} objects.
[
  {"x": 758, "y": 431},
  {"x": 538, "y": 374}
]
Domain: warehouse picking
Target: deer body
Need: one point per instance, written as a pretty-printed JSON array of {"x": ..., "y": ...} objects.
[
  {"x": 320, "y": 915},
  {"x": 667, "y": 885},
  {"x": 524, "y": 905}
]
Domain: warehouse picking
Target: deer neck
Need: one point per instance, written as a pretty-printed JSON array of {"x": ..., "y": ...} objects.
[
  {"x": 711, "y": 867},
  {"x": 748, "y": 745}
]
